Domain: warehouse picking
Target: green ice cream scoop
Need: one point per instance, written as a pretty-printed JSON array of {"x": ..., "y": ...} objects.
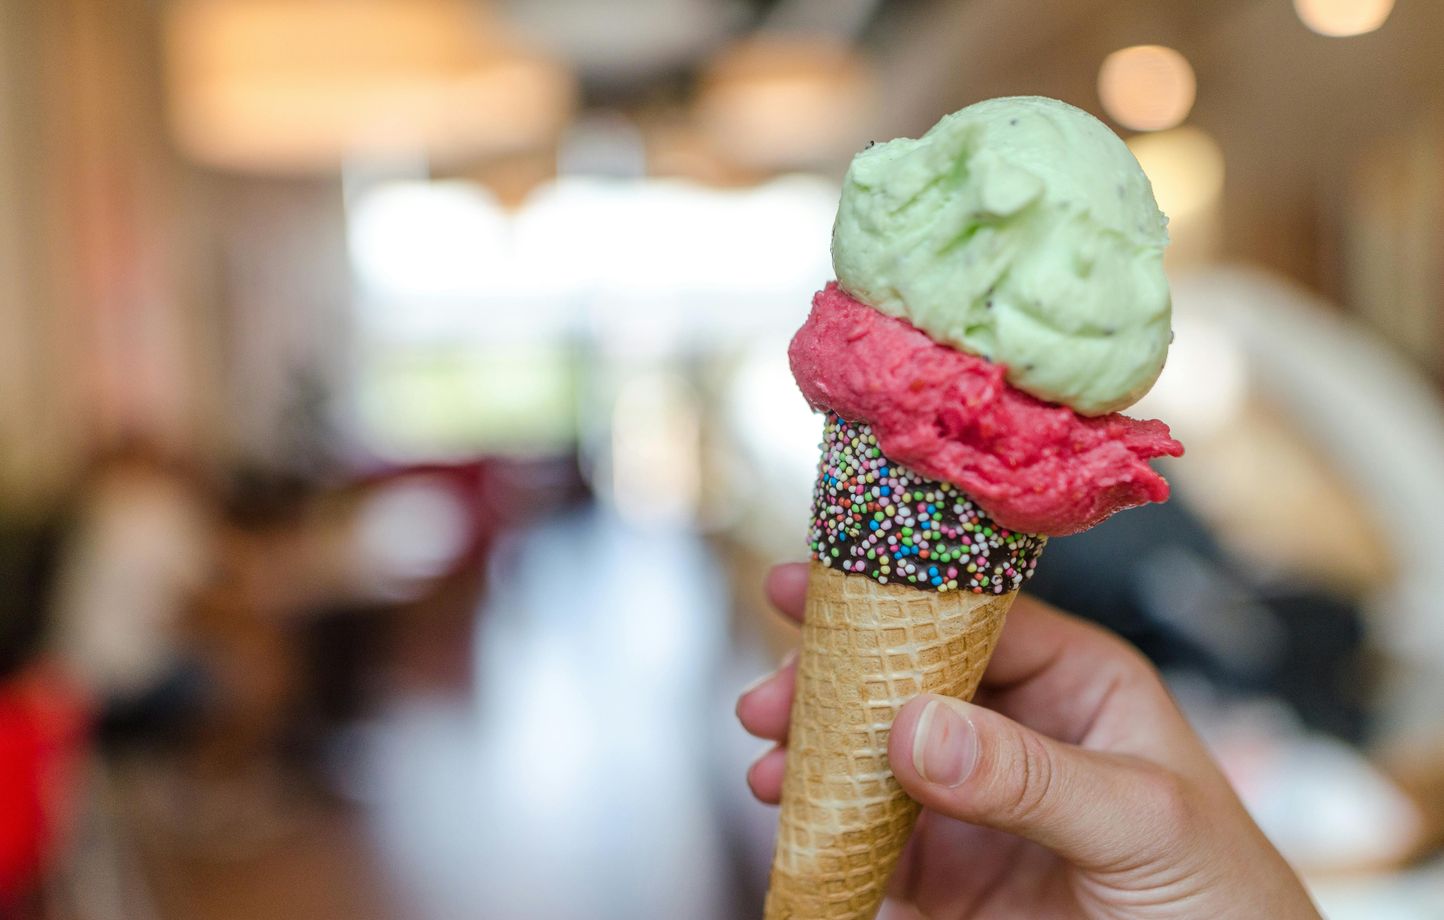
[{"x": 1022, "y": 230}]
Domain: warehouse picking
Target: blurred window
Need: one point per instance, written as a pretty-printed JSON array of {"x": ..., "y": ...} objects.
[{"x": 472, "y": 318}]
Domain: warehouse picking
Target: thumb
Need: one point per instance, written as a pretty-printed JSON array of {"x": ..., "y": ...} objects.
[{"x": 1096, "y": 810}]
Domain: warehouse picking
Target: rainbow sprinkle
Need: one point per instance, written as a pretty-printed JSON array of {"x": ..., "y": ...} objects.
[{"x": 872, "y": 517}]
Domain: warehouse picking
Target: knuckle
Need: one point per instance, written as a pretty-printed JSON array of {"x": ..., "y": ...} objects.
[
  {"x": 1135, "y": 675},
  {"x": 1032, "y": 776},
  {"x": 1167, "y": 802},
  {"x": 1118, "y": 652},
  {"x": 1133, "y": 665}
]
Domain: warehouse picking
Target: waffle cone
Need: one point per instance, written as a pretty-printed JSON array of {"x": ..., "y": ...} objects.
[{"x": 867, "y": 648}]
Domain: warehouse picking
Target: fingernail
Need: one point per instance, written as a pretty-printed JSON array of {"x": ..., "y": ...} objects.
[
  {"x": 755, "y": 684},
  {"x": 945, "y": 745},
  {"x": 786, "y": 660}
]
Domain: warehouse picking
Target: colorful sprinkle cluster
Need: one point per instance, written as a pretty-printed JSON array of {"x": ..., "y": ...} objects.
[{"x": 872, "y": 517}]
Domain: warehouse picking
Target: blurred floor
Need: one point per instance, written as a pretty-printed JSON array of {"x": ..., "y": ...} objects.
[
  {"x": 324, "y": 868},
  {"x": 571, "y": 782}
]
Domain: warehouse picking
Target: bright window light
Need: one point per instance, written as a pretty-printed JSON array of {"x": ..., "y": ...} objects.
[
  {"x": 465, "y": 308},
  {"x": 444, "y": 257},
  {"x": 429, "y": 239}
]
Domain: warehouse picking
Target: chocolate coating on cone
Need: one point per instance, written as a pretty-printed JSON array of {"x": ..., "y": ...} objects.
[
  {"x": 873, "y": 517},
  {"x": 867, "y": 648}
]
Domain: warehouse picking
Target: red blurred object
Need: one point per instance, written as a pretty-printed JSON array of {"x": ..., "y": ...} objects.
[{"x": 43, "y": 721}]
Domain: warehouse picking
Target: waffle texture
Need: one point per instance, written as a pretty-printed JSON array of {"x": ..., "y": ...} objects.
[{"x": 867, "y": 648}]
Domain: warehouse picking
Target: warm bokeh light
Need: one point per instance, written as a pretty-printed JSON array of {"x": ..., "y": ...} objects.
[
  {"x": 1342, "y": 18},
  {"x": 1146, "y": 87},
  {"x": 1185, "y": 166},
  {"x": 295, "y": 85},
  {"x": 782, "y": 103}
]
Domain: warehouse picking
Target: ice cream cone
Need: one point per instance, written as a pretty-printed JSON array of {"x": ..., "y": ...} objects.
[
  {"x": 992, "y": 375},
  {"x": 867, "y": 648}
]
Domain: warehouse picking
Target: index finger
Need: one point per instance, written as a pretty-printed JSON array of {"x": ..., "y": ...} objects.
[
  {"x": 786, "y": 587},
  {"x": 1039, "y": 639},
  {"x": 1059, "y": 675}
]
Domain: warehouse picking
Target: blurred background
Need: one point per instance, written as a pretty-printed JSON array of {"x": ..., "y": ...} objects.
[{"x": 396, "y": 426}]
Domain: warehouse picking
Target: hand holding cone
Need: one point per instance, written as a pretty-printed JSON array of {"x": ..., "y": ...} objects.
[{"x": 908, "y": 596}]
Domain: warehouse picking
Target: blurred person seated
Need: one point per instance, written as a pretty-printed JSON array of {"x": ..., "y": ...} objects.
[
  {"x": 140, "y": 548},
  {"x": 163, "y": 616}
]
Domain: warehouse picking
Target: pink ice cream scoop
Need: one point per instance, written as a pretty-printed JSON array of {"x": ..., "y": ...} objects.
[{"x": 1034, "y": 466}]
